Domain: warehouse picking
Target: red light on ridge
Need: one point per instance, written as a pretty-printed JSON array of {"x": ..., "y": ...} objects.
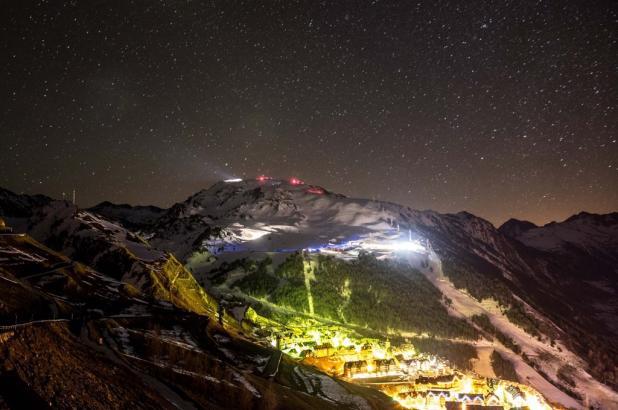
[{"x": 315, "y": 190}]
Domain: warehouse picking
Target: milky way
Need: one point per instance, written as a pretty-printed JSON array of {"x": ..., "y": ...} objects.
[{"x": 502, "y": 109}]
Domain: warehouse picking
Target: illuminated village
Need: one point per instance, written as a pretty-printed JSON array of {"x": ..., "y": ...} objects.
[{"x": 415, "y": 380}]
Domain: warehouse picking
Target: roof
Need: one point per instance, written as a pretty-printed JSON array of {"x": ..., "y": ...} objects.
[
  {"x": 471, "y": 397},
  {"x": 413, "y": 394},
  {"x": 448, "y": 378},
  {"x": 358, "y": 363},
  {"x": 492, "y": 398},
  {"x": 438, "y": 393},
  {"x": 514, "y": 391},
  {"x": 383, "y": 361}
]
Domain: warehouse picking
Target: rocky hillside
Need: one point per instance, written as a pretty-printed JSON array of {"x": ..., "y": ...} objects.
[{"x": 74, "y": 337}]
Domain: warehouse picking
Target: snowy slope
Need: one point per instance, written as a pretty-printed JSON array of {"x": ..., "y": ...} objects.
[
  {"x": 268, "y": 216},
  {"x": 119, "y": 253},
  {"x": 585, "y": 232},
  {"x": 276, "y": 215},
  {"x": 549, "y": 358},
  {"x": 132, "y": 217}
]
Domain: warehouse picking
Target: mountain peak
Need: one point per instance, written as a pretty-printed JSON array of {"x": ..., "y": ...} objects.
[
  {"x": 238, "y": 192},
  {"x": 610, "y": 218},
  {"x": 515, "y": 227}
]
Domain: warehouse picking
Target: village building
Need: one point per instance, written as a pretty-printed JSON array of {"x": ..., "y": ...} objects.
[
  {"x": 4, "y": 228},
  {"x": 515, "y": 396},
  {"x": 414, "y": 398},
  {"x": 492, "y": 400},
  {"x": 384, "y": 365},
  {"x": 447, "y": 381},
  {"x": 453, "y": 405},
  {"x": 356, "y": 367},
  {"x": 470, "y": 398}
]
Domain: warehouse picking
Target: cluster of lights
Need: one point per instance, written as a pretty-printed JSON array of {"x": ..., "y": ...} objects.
[
  {"x": 527, "y": 399},
  {"x": 292, "y": 180},
  {"x": 315, "y": 190},
  {"x": 370, "y": 359},
  {"x": 466, "y": 390},
  {"x": 338, "y": 341},
  {"x": 352, "y": 247},
  {"x": 398, "y": 246}
]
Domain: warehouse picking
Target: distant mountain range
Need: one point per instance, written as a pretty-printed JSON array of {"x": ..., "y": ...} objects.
[{"x": 556, "y": 283}]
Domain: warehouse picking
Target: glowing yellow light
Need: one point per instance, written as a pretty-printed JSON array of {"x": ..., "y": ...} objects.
[
  {"x": 370, "y": 367},
  {"x": 316, "y": 336},
  {"x": 499, "y": 392},
  {"x": 533, "y": 403},
  {"x": 336, "y": 341},
  {"x": 467, "y": 385},
  {"x": 378, "y": 352},
  {"x": 413, "y": 246}
]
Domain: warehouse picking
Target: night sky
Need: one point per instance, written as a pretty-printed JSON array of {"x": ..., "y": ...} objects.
[{"x": 504, "y": 108}]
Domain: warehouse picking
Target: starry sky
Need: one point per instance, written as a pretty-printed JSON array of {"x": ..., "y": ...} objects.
[{"x": 503, "y": 108}]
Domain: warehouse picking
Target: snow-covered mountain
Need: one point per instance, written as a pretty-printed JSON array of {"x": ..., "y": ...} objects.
[
  {"x": 105, "y": 246},
  {"x": 515, "y": 227},
  {"x": 578, "y": 258},
  {"x": 278, "y": 209},
  {"x": 133, "y": 217},
  {"x": 276, "y": 215},
  {"x": 585, "y": 234},
  {"x": 575, "y": 298},
  {"x": 556, "y": 283},
  {"x": 538, "y": 263}
]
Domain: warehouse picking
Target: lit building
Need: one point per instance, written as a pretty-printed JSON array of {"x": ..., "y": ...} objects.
[
  {"x": 4, "y": 228},
  {"x": 515, "y": 396},
  {"x": 470, "y": 398},
  {"x": 356, "y": 367}
]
